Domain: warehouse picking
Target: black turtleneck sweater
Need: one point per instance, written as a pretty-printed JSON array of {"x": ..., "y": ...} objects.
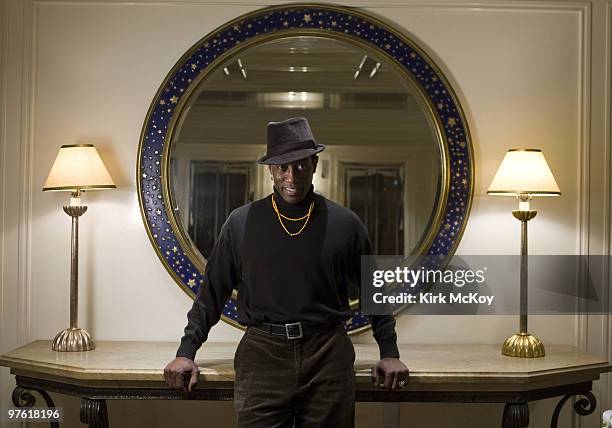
[{"x": 281, "y": 278}]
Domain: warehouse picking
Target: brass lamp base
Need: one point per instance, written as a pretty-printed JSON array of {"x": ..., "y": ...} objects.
[
  {"x": 523, "y": 345},
  {"x": 73, "y": 340}
]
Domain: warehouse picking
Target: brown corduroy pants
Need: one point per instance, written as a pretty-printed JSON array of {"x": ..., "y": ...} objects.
[{"x": 301, "y": 383}]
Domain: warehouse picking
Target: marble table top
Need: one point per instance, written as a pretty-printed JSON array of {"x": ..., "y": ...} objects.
[{"x": 447, "y": 367}]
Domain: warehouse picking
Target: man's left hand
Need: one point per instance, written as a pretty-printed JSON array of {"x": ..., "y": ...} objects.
[{"x": 390, "y": 373}]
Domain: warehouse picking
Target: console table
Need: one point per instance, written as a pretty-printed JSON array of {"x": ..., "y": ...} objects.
[{"x": 438, "y": 373}]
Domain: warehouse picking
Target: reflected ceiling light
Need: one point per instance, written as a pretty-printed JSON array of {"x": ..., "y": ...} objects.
[
  {"x": 302, "y": 69},
  {"x": 375, "y": 70},
  {"x": 302, "y": 96},
  {"x": 235, "y": 68},
  {"x": 367, "y": 66},
  {"x": 292, "y": 99}
]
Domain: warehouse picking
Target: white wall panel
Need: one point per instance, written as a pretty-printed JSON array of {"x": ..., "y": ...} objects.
[{"x": 98, "y": 67}]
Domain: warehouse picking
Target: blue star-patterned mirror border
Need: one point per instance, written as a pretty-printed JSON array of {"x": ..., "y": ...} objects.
[{"x": 284, "y": 21}]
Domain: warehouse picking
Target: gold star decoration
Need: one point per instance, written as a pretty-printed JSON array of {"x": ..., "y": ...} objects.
[
  {"x": 162, "y": 102},
  {"x": 285, "y": 23},
  {"x": 452, "y": 121},
  {"x": 174, "y": 99},
  {"x": 387, "y": 46},
  {"x": 307, "y": 18},
  {"x": 440, "y": 106},
  {"x": 194, "y": 66},
  {"x": 334, "y": 23},
  {"x": 174, "y": 249},
  {"x": 412, "y": 55},
  {"x": 191, "y": 282},
  {"x": 236, "y": 27}
]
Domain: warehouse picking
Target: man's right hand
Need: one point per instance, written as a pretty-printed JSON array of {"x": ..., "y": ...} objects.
[{"x": 181, "y": 373}]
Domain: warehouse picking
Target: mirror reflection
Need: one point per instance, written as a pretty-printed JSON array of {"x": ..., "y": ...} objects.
[{"x": 382, "y": 159}]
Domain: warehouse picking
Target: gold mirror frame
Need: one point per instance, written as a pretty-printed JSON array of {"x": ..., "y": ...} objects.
[{"x": 173, "y": 245}]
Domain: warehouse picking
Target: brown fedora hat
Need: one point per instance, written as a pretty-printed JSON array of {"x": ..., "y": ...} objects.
[{"x": 288, "y": 141}]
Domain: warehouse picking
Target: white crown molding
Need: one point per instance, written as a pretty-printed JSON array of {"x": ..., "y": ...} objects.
[
  {"x": 30, "y": 25},
  {"x": 5, "y": 322},
  {"x": 423, "y": 4},
  {"x": 581, "y": 337},
  {"x": 596, "y": 236},
  {"x": 607, "y": 327},
  {"x": 16, "y": 177},
  {"x": 4, "y": 19},
  {"x": 26, "y": 162},
  {"x": 16, "y": 145}
]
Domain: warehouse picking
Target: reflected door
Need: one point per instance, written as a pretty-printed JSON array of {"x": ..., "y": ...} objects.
[
  {"x": 375, "y": 194},
  {"x": 218, "y": 188}
]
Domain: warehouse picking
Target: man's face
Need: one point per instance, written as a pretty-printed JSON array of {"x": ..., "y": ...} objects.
[{"x": 293, "y": 180}]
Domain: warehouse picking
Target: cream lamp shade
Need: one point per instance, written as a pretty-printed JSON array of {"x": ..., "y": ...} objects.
[
  {"x": 78, "y": 167},
  {"x": 524, "y": 172}
]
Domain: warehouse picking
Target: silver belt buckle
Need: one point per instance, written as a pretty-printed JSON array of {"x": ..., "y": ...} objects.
[{"x": 292, "y": 326}]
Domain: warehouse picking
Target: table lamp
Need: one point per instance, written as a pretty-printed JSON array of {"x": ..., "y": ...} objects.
[
  {"x": 524, "y": 173},
  {"x": 77, "y": 168}
]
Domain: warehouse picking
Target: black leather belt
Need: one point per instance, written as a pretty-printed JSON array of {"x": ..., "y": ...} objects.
[{"x": 294, "y": 330}]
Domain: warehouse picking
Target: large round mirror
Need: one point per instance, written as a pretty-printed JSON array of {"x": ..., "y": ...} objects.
[{"x": 398, "y": 150}]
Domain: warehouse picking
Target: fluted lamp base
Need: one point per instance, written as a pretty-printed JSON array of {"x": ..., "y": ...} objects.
[
  {"x": 73, "y": 340},
  {"x": 523, "y": 345}
]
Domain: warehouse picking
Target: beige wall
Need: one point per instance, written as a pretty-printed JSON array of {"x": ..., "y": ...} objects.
[{"x": 527, "y": 74}]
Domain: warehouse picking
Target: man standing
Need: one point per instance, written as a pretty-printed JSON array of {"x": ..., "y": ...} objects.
[{"x": 293, "y": 256}]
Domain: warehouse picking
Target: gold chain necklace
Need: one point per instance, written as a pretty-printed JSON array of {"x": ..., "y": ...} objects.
[{"x": 281, "y": 217}]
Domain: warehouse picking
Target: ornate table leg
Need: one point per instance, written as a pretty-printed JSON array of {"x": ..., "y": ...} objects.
[
  {"x": 516, "y": 415},
  {"x": 23, "y": 398},
  {"x": 94, "y": 413},
  {"x": 584, "y": 406}
]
